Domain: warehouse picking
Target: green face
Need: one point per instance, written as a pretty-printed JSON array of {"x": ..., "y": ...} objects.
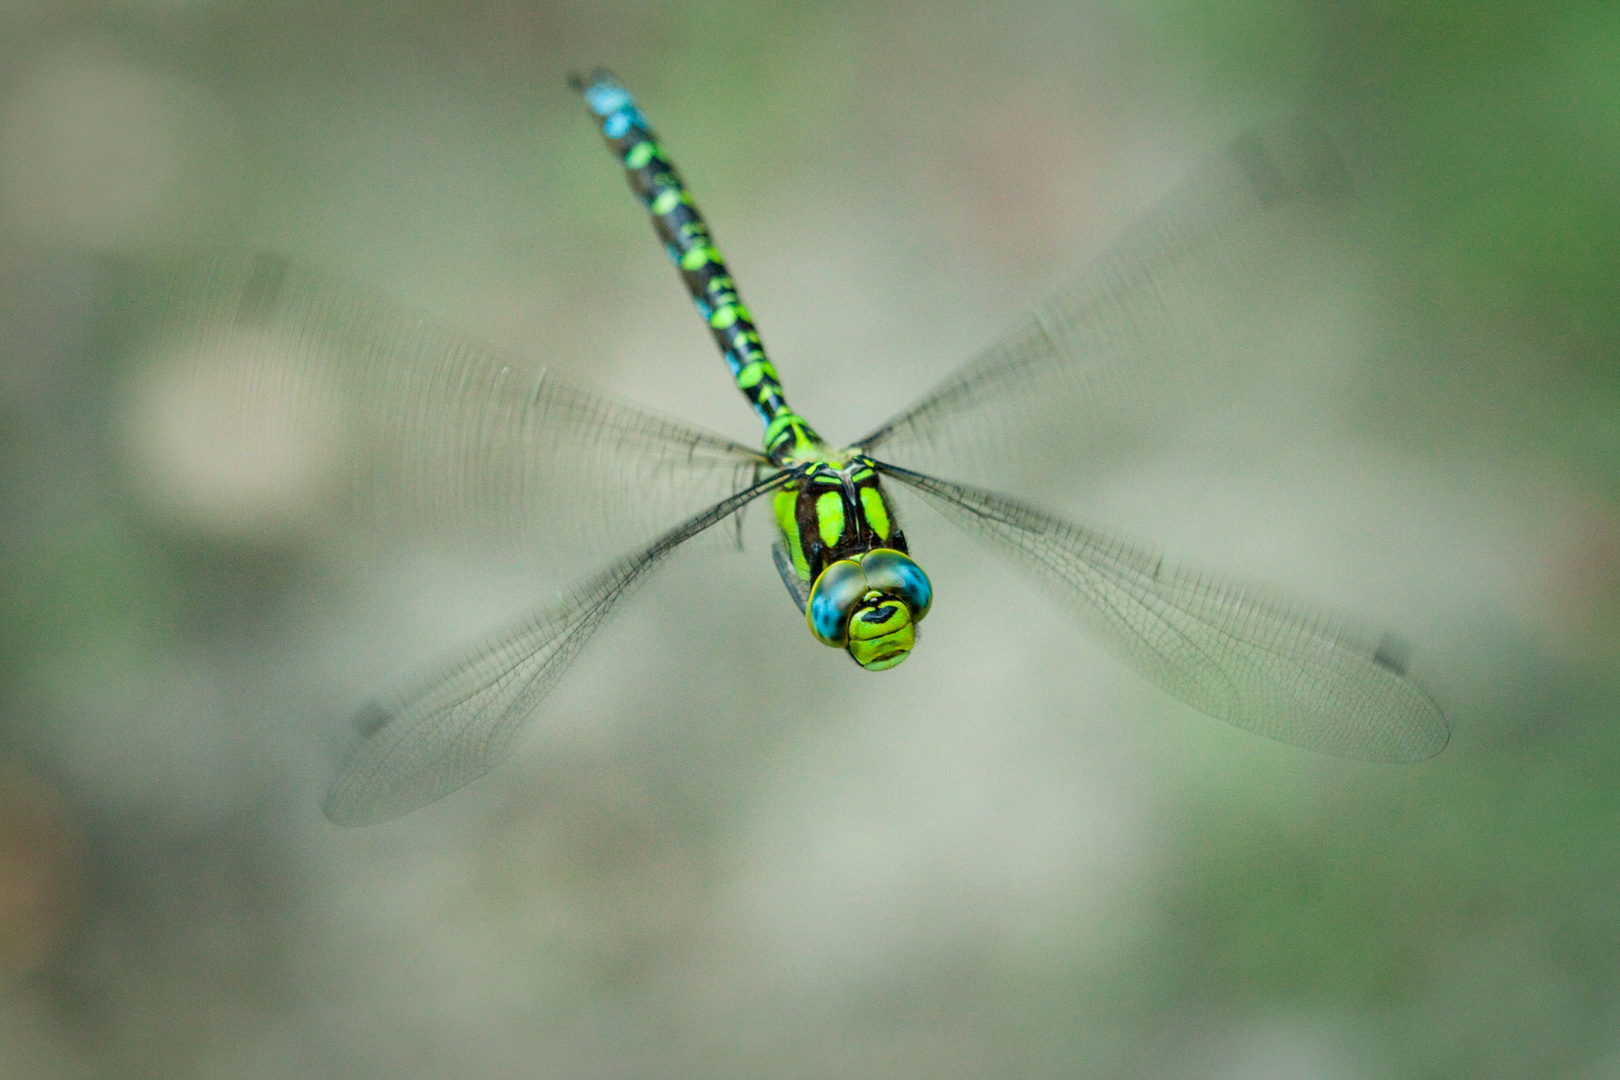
[{"x": 881, "y": 632}]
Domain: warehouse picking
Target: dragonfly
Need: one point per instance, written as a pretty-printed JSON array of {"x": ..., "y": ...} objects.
[{"x": 439, "y": 411}]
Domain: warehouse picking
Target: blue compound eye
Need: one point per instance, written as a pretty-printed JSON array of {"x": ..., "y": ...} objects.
[
  {"x": 832, "y": 598},
  {"x": 892, "y": 572}
]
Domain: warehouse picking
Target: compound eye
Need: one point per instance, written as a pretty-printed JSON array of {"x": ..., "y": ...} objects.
[
  {"x": 895, "y": 573},
  {"x": 832, "y": 598}
]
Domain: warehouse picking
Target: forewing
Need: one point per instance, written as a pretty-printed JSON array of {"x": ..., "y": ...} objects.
[
  {"x": 1116, "y": 339},
  {"x": 1241, "y": 652},
  {"x": 433, "y": 734},
  {"x": 430, "y": 428}
]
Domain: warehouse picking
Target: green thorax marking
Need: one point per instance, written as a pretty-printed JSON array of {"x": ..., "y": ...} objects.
[
  {"x": 686, "y": 238},
  {"x": 834, "y": 510}
]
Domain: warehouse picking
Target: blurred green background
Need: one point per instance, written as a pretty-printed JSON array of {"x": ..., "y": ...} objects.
[{"x": 726, "y": 853}]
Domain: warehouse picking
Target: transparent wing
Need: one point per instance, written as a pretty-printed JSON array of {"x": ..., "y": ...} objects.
[
  {"x": 1090, "y": 353},
  {"x": 431, "y": 428},
  {"x": 1240, "y": 652},
  {"x": 434, "y": 734}
]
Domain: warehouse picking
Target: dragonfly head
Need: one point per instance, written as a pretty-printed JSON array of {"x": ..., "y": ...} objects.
[{"x": 870, "y": 606}]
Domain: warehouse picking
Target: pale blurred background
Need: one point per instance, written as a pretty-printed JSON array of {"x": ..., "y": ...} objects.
[{"x": 726, "y": 852}]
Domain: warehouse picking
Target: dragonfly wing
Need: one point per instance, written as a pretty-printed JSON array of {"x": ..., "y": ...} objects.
[
  {"x": 1091, "y": 352},
  {"x": 431, "y": 735},
  {"x": 435, "y": 429},
  {"x": 1241, "y": 652}
]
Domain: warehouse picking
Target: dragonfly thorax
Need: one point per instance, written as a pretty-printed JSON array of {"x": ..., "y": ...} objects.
[{"x": 834, "y": 510}]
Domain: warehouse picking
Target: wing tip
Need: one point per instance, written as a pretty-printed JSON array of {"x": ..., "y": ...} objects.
[
  {"x": 342, "y": 806},
  {"x": 1439, "y": 733},
  {"x": 345, "y": 803},
  {"x": 370, "y": 719},
  {"x": 338, "y": 812},
  {"x": 1296, "y": 161}
]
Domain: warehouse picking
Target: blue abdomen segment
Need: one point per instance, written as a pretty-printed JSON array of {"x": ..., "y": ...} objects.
[{"x": 690, "y": 247}]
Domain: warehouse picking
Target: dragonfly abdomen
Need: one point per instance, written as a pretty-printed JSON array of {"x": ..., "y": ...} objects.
[{"x": 691, "y": 248}]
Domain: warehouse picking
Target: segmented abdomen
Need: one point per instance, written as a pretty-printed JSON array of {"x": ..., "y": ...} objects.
[{"x": 686, "y": 238}]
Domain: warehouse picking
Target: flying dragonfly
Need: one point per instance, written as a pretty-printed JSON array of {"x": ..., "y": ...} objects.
[{"x": 451, "y": 411}]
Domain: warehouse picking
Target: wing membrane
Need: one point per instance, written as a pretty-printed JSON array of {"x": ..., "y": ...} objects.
[
  {"x": 1092, "y": 352},
  {"x": 435, "y": 429},
  {"x": 432, "y": 735},
  {"x": 1243, "y": 653}
]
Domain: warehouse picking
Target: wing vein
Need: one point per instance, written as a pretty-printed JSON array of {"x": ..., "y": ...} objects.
[{"x": 1245, "y": 653}]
